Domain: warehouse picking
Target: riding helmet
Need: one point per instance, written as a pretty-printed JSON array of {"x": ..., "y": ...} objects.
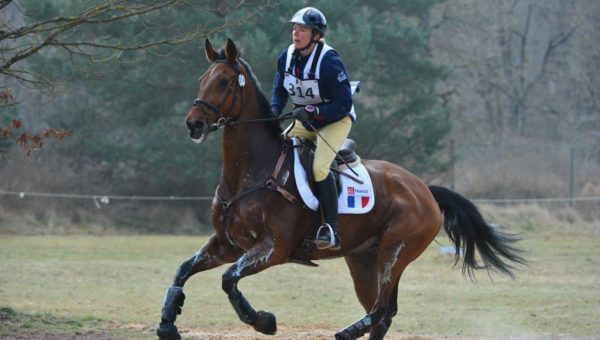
[{"x": 312, "y": 17}]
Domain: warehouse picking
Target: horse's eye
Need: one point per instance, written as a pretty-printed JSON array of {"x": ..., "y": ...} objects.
[{"x": 224, "y": 82}]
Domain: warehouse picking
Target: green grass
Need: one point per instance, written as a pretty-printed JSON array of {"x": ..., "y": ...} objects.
[{"x": 114, "y": 286}]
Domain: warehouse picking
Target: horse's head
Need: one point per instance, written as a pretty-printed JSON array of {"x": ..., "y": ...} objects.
[{"x": 219, "y": 100}]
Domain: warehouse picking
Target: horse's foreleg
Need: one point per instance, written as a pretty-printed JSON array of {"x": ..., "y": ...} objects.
[
  {"x": 260, "y": 257},
  {"x": 211, "y": 255}
]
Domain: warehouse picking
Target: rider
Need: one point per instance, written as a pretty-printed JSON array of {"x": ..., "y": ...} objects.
[{"x": 312, "y": 75}]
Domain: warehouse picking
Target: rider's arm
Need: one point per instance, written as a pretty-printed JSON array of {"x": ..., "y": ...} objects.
[
  {"x": 279, "y": 96},
  {"x": 336, "y": 88}
]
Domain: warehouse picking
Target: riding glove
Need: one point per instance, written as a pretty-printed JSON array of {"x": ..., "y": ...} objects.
[{"x": 305, "y": 113}]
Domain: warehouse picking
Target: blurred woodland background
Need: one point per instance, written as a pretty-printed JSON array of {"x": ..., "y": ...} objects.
[{"x": 497, "y": 99}]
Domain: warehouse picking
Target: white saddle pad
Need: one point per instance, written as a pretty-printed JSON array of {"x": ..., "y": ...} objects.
[{"x": 355, "y": 198}]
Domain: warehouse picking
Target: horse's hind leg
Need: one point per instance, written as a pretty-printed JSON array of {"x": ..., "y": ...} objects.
[
  {"x": 363, "y": 269},
  {"x": 378, "y": 331},
  {"x": 262, "y": 256},
  {"x": 365, "y": 272},
  {"x": 400, "y": 245},
  {"x": 211, "y": 255}
]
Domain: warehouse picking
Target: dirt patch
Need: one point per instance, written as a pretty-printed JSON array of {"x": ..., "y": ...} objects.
[
  {"x": 318, "y": 332},
  {"x": 35, "y": 335}
]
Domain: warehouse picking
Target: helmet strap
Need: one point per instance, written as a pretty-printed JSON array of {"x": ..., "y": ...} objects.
[{"x": 310, "y": 43}]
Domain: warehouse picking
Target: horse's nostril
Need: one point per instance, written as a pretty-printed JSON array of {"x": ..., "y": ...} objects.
[{"x": 193, "y": 124}]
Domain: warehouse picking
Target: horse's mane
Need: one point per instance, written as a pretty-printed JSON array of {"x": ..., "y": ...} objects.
[{"x": 263, "y": 103}]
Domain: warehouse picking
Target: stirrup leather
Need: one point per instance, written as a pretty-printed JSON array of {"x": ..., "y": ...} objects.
[{"x": 327, "y": 238}]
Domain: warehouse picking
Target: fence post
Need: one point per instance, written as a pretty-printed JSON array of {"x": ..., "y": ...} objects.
[
  {"x": 451, "y": 157},
  {"x": 571, "y": 175}
]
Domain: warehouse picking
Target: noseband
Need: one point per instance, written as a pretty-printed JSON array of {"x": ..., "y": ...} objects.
[{"x": 222, "y": 119}]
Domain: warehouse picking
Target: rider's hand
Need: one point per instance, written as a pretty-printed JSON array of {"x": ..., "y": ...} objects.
[{"x": 305, "y": 113}]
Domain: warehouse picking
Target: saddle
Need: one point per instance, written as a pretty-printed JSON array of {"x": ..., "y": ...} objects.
[{"x": 347, "y": 155}]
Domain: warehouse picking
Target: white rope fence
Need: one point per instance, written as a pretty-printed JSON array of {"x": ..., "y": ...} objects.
[
  {"x": 105, "y": 199},
  {"x": 535, "y": 200},
  {"x": 23, "y": 194}
]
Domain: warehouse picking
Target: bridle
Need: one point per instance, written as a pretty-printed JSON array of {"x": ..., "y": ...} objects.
[
  {"x": 239, "y": 82},
  {"x": 226, "y": 120}
]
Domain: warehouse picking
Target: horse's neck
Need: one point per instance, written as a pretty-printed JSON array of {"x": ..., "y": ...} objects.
[{"x": 249, "y": 155}]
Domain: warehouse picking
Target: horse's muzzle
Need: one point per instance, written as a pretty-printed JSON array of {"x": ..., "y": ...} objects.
[{"x": 198, "y": 130}]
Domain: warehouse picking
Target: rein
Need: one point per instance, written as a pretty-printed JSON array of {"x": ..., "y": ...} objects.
[{"x": 226, "y": 121}]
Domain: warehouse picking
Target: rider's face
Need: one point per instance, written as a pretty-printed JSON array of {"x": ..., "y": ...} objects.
[{"x": 301, "y": 35}]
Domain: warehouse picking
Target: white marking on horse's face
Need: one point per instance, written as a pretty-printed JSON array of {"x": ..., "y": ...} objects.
[
  {"x": 199, "y": 140},
  {"x": 387, "y": 272}
]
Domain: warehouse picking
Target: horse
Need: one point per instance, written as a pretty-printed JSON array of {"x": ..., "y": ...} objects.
[{"x": 259, "y": 223}]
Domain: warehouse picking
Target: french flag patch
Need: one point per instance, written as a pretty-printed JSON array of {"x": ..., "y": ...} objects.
[{"x": 357, "y": 198}]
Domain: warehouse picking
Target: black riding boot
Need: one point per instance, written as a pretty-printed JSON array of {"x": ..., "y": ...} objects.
[{"x": 327, "y": 236}]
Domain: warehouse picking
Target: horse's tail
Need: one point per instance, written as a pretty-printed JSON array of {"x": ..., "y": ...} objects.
[{"x": 468, "y": 230}]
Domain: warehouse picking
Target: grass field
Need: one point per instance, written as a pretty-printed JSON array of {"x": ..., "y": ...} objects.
[{"x": 54, "y": 287}]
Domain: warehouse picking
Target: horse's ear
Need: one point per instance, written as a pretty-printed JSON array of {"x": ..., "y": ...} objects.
[
  {"x": 231, "y": 51},
  {"x": 211, "y": 54}
]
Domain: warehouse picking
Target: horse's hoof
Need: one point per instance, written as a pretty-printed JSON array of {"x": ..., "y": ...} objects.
[
  {"x": 167, "y": 331},
  {"x": 344, "y": 335},
  {"x": 265, "y": 323}
]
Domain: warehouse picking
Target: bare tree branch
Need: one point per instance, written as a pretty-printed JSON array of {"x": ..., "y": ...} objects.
[
  {"x": 85, "y": 17},
  {"x": 4, "y": 3},
  {"x": 32, "y": 38},
  {"x": 28, "y": 142}
]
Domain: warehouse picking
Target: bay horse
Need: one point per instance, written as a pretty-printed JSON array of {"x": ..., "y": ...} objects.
[{"x": 258, "y": 223}]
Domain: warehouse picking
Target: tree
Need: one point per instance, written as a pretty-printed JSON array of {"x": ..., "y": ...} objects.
[
  {"x": 140, "y": 101},
  {"x": 127, "y": 113},
  {"x": 100, "y": 30},
  {"x": 512, "y": 55},
  {"x": 400, "y": 116},
  {"x": 91, "y": 32},
  {"x": 14, "y": 134}
]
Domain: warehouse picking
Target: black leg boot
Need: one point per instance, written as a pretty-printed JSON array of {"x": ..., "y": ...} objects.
[
  {"x": 327, "y": 236},
  {"x": 172, "y": 306}
]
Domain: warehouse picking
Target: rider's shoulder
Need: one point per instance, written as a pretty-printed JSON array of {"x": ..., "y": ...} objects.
[
  {"x": 331, "y": 59},
  {"x": 283, "y": 53}
]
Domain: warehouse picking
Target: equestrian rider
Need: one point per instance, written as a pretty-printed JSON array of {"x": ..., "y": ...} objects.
[{"x": 312, "y": 75}]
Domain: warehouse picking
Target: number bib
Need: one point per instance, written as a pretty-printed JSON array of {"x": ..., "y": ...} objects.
[
  {"x": 302, "y": 92},
  {"x": 304, "y": 89}
]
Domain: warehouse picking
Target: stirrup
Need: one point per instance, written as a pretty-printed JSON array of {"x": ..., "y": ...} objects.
[{"x": 327, "y": 238}]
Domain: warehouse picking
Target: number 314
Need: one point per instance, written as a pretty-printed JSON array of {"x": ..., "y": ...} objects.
[{"x": 292, "y": 90}]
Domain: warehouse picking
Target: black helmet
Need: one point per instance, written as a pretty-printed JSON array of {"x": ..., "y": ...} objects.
[{"x": 312, "y": 17}]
